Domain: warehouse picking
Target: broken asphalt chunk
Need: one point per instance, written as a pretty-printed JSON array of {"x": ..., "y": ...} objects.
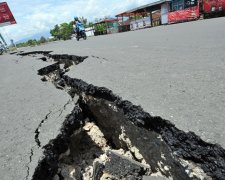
[{"x": 123, "y": 167}]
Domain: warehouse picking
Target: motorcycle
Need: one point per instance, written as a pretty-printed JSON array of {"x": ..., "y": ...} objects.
[{"x": 80, "y": 32}]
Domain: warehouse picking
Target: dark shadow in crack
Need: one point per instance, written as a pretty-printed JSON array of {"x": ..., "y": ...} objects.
[
  {"x": 48, "y": 167},
  {"x": 126, "y": 135},
  {"x": 188, "y": 146},
  {"x": 83, "y": 152},
  {"x": 157, "y": 139},
  {"x": 72, "y": 149}
]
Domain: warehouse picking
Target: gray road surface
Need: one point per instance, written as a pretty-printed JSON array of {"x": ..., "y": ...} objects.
[
  {"x": 25, "y": 102},
  {"x": 175, "y": 71}
]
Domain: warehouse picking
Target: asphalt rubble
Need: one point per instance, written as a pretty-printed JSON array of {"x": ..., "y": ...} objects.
[{"x": 106, "y": 137}]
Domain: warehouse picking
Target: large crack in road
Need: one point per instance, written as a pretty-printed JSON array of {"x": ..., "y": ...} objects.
[{"x": 107, "y": 137}]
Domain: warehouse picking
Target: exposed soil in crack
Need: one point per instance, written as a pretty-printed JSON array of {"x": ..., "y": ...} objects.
[
  {"x": 48, "y": 166},
  {"x": 128, "y": 136},
  {"x": 187, "y": 146}
]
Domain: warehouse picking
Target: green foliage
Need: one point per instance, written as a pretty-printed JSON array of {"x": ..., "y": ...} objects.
[
  {"x": 32, "y": 42},
  {"x": 55, "y": 32},
  {"x": 42, "y": 40},
  {"x": 64, "y": 31},
  {"x": 19, "y": 45},
  {"x": 84, "y": 21},
  {"x": 101, "y": 27},
  {"x": 90, "y": 24}
]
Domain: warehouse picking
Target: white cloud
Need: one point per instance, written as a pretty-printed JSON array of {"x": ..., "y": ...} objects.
[{"x": 35, "y": 17}]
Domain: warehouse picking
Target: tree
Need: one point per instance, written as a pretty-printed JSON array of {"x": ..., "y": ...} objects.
[
  {"x": 84, "y": 21},
  {"x": 24, "y": 44},
  {"x": 90, "y": 24},
  {"x": 66, "y": 30},
  {"x": 101, "y": 27},
  {"x": 55, "y": 32},
  {"x": 32, "y": 42},
  {"x": 42, "y": 40}
]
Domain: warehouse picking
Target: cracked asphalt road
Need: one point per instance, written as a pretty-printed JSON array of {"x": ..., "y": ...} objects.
[
  {"x": 25, "y": 102},
  {"x": 177, "y": 72}
]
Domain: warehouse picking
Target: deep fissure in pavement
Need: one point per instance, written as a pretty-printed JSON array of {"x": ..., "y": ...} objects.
[
  {"x": 67, "y": 61},
  {"x": 128, "y": 136}
]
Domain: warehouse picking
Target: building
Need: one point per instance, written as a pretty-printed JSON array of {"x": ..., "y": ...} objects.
[
  {"x": 168, "y": 12},
  {"x": 152, "y": 14},
  {"x": 106, "y": 26}
]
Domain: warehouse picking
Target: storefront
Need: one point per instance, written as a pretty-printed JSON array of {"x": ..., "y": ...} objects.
[
  {"x": 140, "y": 23},
  {"x": 106, "y": 26},
  {"x": 183, "y": 10},
  {"x": 149, "y": 15}
]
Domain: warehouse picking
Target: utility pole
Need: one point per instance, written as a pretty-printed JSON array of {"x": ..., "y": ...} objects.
[{"x": 3, "y": 40}]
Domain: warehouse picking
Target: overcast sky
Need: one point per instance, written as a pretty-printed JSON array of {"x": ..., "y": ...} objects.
[{"x": 39, "y": 16}]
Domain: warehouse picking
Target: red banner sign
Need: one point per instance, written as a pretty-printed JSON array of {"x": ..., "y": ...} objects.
[
  {"x": 213, "y": 6},
  {"x": 184, "y": 15},
  {"x": 6, "y": 16}
]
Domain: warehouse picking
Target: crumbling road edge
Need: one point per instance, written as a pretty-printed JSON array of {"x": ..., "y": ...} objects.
[{"x": 188, "y": 146}]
